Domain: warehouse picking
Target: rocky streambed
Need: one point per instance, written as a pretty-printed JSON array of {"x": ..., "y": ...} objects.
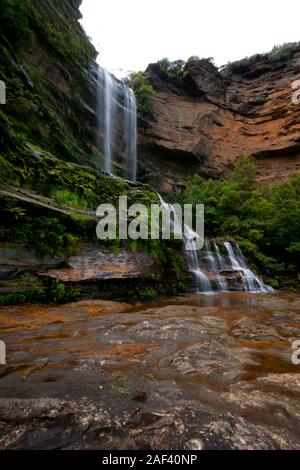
[{"x": 212, "y": 372}]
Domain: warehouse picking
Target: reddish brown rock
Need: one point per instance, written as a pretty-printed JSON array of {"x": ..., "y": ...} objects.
[
  {"x": 93, "y": 263},
  {"x": 205, "y": 120}
]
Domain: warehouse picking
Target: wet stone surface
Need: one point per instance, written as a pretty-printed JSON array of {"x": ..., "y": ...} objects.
[{"x": 211, "y": 372}]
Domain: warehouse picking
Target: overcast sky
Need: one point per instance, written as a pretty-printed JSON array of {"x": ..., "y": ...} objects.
[{"x": 129, "y": 34}]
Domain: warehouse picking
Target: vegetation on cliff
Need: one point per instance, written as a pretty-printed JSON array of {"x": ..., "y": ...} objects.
[
  {"x": 142, "y": 90},
  {"x": 48, "y": 145},
  {"x": 282, "y": 52},
  {"x": 44, "y": 59}
]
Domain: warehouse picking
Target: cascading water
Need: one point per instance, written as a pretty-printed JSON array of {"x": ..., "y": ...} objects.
[
  {"x": 215, "y": 263},
  {"x": 251, "y": 281},
  {"x": 130, "y": 131},
  {"x": 226, "y": 273},
  {"x": 107, "y": 92},
  {"x": 202, "y": 283},
  {"x": 221, "y": 261},
  {"x": 116, "y": 104}
]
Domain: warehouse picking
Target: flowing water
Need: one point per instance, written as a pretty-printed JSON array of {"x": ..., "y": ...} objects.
[
  {"x": 130, "y": 132},
  {"x": 107, "y": 93},
  {"x": 252, "y": 283},
  {"x": 117, "y": 120},
  {"x": 209, "y": 267}
]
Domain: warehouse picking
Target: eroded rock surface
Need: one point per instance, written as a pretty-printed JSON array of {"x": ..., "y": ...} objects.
[
  {"x": 208, "y": 371},
  {"x": 204, "y": 121}
]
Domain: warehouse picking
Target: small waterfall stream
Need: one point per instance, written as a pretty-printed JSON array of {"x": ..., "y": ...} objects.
[
  {"x": 214, "y": 272},
  {"x": 202, "y": 283},
  {"x": 116, "y": 110},
  {"x": 130, "y": 132},
  {"x": 252, "y": 282}
]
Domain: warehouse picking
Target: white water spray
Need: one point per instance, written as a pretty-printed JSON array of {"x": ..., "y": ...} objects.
[
  {"x": 130, "y": 132},
  {"x": 116, "y": 106},
  {"x": 252, "y": 283}
]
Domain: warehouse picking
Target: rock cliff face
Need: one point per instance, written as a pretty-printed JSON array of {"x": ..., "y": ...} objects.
[
  {"x": 45, "y": 64},
  {"x": 205, "y": 119},
  {"x": 50, "y": 169}
]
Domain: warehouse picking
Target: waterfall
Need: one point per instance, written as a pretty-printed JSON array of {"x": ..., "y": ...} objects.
[
  {"x": 202, "y": 283},
  {"x": 216, "y": 265},
  {"x": 221, "y": 261},
  {"x": 116, "y": 108},
  {"x": 107, "y": 93},
  {"x": 252, "y": 282},
  {"x": 130, "y": 131},
  {"x": 209, "y": 267}
]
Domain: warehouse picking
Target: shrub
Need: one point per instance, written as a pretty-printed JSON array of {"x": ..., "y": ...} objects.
[
  {"x": 192, "y": 58},
  {"x": 59, "y": 293},
  {"x": 148, "y": 293},
  {"x": 143, "y": 91},
  {"x": 172, "y": 69}
]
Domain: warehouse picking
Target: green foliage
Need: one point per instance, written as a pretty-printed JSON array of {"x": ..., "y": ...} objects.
[
  {"x": 172, "y": 69},
  {"x": 142, "y": 90},
  {"x": 64, "y": 196},
  {"x": 59, "y": 293},
  {"x": 179, "y": 287},
  {"x": 275, "y": 284},
  {"x": 55, "y": 236},
  {"x": 50, "y": 236},
  {"x": 148, "y": 293},
  {"x": 284, "y": 51},
  {"x": 192, "y": 58},
  {"x": 265, "y": 221},
  {"x": 14, "y": 22},
  {"x": 120, "y": 390},
  {"x": 31, "y": 289},
  {"x": 7, "y": 172}
]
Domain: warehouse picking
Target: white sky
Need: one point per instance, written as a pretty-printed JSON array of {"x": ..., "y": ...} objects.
[{"x": 129, "y": 34}]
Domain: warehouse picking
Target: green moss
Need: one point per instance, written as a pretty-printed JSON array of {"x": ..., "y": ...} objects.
[
  {"x": 14, "y": 21},
  {"x": 275, "y": 284},
  {"x": 64, "y": 196},
  {"x": 31, "y": 289}
]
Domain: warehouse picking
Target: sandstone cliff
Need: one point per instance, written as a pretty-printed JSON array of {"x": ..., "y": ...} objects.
[
  {"x": 50, "y": 170},
  {"x": 206, "y": 118}
]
